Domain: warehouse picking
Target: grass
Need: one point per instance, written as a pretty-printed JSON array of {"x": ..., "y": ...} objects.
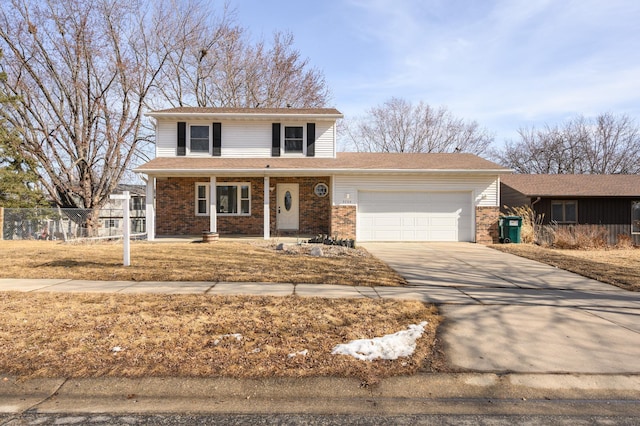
[
  {"x": 231, "y": 261},
  {"x": 618, "y": 267},
  {"x": 74, "y": 335}
]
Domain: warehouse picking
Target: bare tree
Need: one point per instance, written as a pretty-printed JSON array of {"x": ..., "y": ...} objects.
[
  {"x": 81, "y": 70},
  {"x": 216, "y": 65},
  {"x": 399, "y": 126},
  {"x": 606, "y": 144},
  {"x": 84, "y": 71}
]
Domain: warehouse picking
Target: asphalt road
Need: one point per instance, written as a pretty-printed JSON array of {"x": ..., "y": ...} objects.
[{"x": 303, "y": 419}]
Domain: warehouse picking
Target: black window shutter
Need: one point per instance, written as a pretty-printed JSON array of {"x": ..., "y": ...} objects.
[
  {"x": 311, "y": 139},
  {"x": 275, "y": 140},
  {"x": 217, "y": 140},
  {"x": 182, "y": 138}
]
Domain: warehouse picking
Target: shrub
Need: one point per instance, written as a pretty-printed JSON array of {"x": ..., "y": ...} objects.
[
  {"x": 576, "y": 236},
  {"x": 531, "y": 223},
  {"x": 624, "y": 241}
]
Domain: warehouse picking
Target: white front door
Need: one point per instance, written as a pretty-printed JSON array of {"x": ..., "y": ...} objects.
[{"x": 288, "y": 215}]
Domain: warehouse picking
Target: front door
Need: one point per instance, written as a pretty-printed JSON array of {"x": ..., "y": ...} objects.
[{"x": 287, "y": 213}]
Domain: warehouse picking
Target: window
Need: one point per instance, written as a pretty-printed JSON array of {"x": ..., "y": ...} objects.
[
  {"x": 293, "y": 139},
  {"x": 231, "y": 199},
  {"x": 137, "y": 203},
  {"x": 321, "y": 189},
  {"x": 111, "y": 223},
  {"x": 202, "y": 199},
  {"x": 199, "y": 139},
  {"x": 564, "y": 211},
  {"x": 635, "y": 217}
]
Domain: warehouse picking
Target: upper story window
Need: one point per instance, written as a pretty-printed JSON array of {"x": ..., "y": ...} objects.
[
  {"x": 564, "y": 211},
  {"x": 293, "y": 140},
  {"x": 635, "y": 217},
  {"x": 199, "y": 139}
]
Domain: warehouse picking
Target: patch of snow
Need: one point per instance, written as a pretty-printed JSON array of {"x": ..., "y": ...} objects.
[
  {"x": 391, "y": 346},
  {"x": 301, "y": 353},
  {"x": 237, "y": 336}
]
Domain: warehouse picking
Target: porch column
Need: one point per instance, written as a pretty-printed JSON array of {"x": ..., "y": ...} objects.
[
  {"x": 213, "y": 209},
  {"x": 267, "y": 221},
  {"x": 150, "y": 213}
]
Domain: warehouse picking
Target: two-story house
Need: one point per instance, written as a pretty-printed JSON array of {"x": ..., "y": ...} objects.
[{"x": 275, "y": 171}]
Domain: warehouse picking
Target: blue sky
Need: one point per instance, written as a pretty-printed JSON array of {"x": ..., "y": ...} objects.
[{"x": 506, "y": 64}]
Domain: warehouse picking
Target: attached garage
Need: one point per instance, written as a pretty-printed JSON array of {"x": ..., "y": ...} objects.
[{"x": 414, "y": 216}]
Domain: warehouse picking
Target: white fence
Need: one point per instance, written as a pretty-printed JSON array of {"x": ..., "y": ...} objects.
[{"x": 66, "y": 224}]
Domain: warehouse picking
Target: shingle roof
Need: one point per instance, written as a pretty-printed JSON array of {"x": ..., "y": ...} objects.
[
  {"x": 345, "y": 161},
  {"x": 247, "y": 111},
  {"x": 574, "y": 185}
]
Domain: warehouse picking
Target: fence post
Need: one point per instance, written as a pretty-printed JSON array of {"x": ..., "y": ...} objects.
[{"x": 1, "y": 223}]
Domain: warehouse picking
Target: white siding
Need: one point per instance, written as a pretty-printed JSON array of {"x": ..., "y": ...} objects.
[
  {"x": 245, "y": 139},
  {"x": 325, "y": 137},
  {"x": 484, "y": 189},
  {"x": 166, "y": 137}
]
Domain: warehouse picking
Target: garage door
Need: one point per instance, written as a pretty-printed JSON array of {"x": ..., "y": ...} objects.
[{"x": 414, "y": 216}]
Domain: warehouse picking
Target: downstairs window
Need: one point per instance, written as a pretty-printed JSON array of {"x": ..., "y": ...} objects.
[{"x": 232, "y": 199}]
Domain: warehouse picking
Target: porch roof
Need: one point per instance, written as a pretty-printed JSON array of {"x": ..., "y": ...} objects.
[
  {"x": 344, "y": 163},
  {"x": 574, "y": 185}
]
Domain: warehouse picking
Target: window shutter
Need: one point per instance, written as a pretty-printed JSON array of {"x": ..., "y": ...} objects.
[
  {"x": 182, "y": 138},
  {"x": 217, "y": 140},
  {"x": 275, "y": 140},
  {"x": 311, "y": 139}
]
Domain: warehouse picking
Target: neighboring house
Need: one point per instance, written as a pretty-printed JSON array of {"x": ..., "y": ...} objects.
[
  {"x": 612, "y": 201},
  {"x": 267, "y": 172},
  {"x": 111, "y": 219}
]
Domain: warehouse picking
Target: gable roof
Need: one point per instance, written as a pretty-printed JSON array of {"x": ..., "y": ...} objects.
[
  {"x": 345, "y": 162},
  {"x": 574, "y": 185},
  {"x": 209, "y": 112}
]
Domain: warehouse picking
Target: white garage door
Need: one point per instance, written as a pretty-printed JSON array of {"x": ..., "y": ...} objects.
[{"x": 414, "y": 216}]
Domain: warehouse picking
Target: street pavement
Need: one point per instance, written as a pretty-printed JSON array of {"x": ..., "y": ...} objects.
[{"x": 519, "y": 337}]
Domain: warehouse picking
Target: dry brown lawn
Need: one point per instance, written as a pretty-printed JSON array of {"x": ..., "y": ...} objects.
[
  {"x": 618, "y": 267},
  {"x": 231, "y": 261},
  {"x": 87, "y": 335}
]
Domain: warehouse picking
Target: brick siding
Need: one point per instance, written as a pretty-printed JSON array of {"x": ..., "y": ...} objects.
[
  {"x": 343, "y": 221},
  {"x": 175, "y": 207},
  {"x": 314, "y": 211},
  {"x": 487, "y": 225}
]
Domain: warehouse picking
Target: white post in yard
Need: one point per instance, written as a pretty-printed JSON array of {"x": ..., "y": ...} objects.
[
  {"x": 213, "y": 208},
  {"x": 126, "y": 226},
  {"x": 150, "y": 214},
  {"x": 267, "y": 221}
]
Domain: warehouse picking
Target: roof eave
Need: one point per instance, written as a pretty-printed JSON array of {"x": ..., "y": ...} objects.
[
  {"x": 313, "y": 171},
  {"x": 237, "y": 115}
]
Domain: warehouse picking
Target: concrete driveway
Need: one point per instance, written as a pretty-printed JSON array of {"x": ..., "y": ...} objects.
[{"x": 508, "y": 314}]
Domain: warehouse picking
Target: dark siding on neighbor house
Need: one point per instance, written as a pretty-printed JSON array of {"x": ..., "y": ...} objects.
[
  {"x": 612, "y": 213},
  {"x": 512, "y": 198}
]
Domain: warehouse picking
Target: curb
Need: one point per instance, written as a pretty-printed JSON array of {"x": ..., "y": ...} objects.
[{"x": 423, "y": 393}]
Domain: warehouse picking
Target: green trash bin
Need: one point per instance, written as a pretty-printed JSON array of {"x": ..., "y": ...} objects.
[{"x": 509, "y": 227}]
